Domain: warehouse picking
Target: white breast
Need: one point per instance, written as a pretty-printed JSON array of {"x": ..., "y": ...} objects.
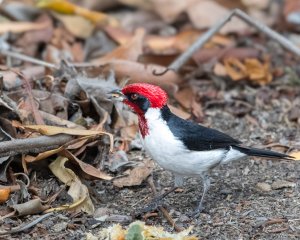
[{"x": 171, "y": 154}]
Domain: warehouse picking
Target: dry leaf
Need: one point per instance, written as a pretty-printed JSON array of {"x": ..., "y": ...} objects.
[
  {"x": 87, "y": 168},
  {"x": 4, "y": 194},
  {"x": 138, "y": 72},
  {"x": 207, "y": 13},
  {"x": 53, "y": 130},
  {"x": 77, "y": 190},
  {"x": 136, "y": 175},
  {"x": 296, "y": 155},
  {"x": 167, "y": 44},
  {"x": 179, "y": 112},
  {"x": 131, "y": 50},
  {"x": 258, "y": 4},
  {"x": 185, "y": 97},
  {"x": 257, "y": 71},
  {"x": 169, "y": 10},
  {"x": 77, "y": 25},
  {"x": 66, "y": 7},
  {"x": 251, "y": 69},
  {"x": 43, "y": 155},
  {"x": 235, "y": 69},
  {"x": 31, "y": 207}
]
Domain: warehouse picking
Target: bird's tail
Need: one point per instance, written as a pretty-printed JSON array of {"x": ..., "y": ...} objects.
[{"x": 262, "y": 153}]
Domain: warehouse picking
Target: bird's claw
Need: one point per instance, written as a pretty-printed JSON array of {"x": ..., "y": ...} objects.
[
  {"x": 196, "y": 213},
  {"x": 153, "y": 205}
]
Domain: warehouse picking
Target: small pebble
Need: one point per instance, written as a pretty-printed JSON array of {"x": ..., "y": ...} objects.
[
  {"x": 58, "y": 227},
  {"x": 264, "y": 187},
  {"x": 283, "y": 184}
]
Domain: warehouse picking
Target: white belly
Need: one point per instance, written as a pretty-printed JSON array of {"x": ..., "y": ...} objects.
[{"x": 172, "y": 155}]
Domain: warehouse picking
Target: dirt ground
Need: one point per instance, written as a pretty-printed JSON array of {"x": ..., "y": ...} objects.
[{"x": 235, "y": 207}]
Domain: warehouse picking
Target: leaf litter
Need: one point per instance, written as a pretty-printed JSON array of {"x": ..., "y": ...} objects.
[{"x": 59, "y": 63}]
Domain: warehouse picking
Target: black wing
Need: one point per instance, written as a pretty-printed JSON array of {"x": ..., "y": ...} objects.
[{"x": 194, "y": 136}]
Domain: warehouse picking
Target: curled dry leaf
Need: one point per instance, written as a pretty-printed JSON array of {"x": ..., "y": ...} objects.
[
  {"x": 87, "y": 168},
  {"x": 136, "y": 175},
  {"x": 251, "y": 69},
  {"x": 4, "y": 194},
  {"x": 31, "y": 207},
  {"x": 77, "y": 190}
]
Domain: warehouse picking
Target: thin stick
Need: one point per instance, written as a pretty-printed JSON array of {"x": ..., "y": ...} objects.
[
  {"x": 34, "y": 145},
  {"x": 25, "y": 58},
  {"x": 185, "y": 56},
  {"x": 27, "y": 226},
  {"x": 284, "y": 42},
  {"x": 162, "y": 209}
]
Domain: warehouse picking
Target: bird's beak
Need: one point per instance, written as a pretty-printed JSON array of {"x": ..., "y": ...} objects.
[{"x": 116, "y": 95}]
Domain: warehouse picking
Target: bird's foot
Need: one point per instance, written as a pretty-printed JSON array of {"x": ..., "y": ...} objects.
[
  {"x": 153, "y": 205},
  {"x": 196, "y": 213}
]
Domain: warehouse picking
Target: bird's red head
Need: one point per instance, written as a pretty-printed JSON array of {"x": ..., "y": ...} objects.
[{"x": 142, "y": 96}]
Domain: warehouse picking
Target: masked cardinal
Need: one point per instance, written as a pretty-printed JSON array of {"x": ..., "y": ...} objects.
[{"x": 180, "y": 146}]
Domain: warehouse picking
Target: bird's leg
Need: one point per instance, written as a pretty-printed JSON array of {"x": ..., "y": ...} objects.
[
  {"x": 156, "y": 202},
  {"x": 206, "y": 185}
]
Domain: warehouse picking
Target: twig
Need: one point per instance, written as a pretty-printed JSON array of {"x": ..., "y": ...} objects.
[
  {"x": 27, "y": 226},
  {"x": 25, "y": 58},
  {"x": 162, "y": 209},
  {"x": 184, "y": 57},
  {"x": 287, "y": 44},
  {"x": 25, "y": 176},
  {"x": 34, "y": 145}
]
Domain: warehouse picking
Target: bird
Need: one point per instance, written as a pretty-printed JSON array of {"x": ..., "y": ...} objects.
[{"x": 181, "y": 146}]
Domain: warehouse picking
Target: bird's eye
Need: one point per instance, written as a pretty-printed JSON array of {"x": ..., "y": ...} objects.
[{"x": 134, "y": 96}]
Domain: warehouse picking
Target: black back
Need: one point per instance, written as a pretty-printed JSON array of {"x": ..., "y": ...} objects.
[{"x": 196, "y": 137}]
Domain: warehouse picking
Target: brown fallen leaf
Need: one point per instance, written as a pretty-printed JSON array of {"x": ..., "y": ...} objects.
[
  {"x": 131, "y": 50},
  {"x": 77, "y": 190},
  {"x": 77, "y": 25},
  {"x": 201, "y": 16},
  {"x": 167, "y": 45},
  {"x": 240, "y": 53},
  {"x": 138, "y": 72},
  {"x": 87, "y": 168},
  {"x": 179, "y": 112},
  {"x": 136, "y": 175},
  {"x": 185, "y": 97},
  {"x": 31, "y": 207}
]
